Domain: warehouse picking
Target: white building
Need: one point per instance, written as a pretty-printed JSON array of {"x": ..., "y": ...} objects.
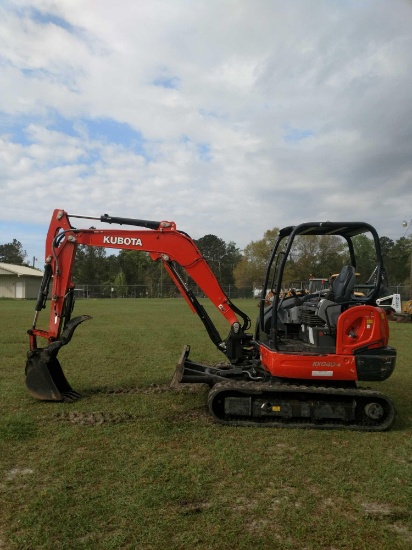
[{"x": 19, "y": 281}]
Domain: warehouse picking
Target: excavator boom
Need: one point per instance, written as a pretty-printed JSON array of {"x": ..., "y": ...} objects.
[{"x": 163, "y": 242}]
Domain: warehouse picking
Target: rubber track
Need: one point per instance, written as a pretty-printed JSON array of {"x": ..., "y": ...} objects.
[{"x": 253, "y": 389}]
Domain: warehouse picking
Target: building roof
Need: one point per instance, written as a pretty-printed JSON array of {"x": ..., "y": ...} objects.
[{"x": 19, "y": 270}]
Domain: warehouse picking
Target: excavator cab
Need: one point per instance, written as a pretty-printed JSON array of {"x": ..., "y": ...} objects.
[{"x": 309, "y": 323}]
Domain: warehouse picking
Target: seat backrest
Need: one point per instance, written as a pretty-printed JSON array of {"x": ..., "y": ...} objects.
[{"x": 344, "y": 284}]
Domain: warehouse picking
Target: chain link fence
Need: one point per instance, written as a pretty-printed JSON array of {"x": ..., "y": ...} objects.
[
  {"x": 171, "y": 291},
  {"x": 150, "y": 291}
]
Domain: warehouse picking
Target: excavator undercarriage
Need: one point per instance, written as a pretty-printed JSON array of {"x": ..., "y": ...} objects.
[
  {"x": 299, "y": 406},
  {"x": 248, "y": 396}
]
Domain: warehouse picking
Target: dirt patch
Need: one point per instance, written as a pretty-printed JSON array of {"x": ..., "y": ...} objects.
[
  {"x": 16, "y": 473},
  {"x": 380, "y": 510},
  {"x": 400, "y": 318},
  {"x": 147, "y": 390},
  {"x": 403, "y": 532},
  {"x": 95, "y": 418},
  {"x": 14, "y": 480},
  {"x": 191, "y": 507}
]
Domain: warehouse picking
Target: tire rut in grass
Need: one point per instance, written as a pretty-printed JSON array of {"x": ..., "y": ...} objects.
[
  {"x": 95, "y": 418},
  {"x": 192, "y": 507},
  {"x": 146, "y": 390},
  {"x": 99, "y": 418}
]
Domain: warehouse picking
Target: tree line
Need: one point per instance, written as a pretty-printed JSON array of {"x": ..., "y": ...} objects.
[
  {"x": 131, "y": 268},
  {"x": 317, "y": 256},
  {"x": 321, "y": 256}
]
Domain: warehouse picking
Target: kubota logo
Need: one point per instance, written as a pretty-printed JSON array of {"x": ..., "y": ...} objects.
[{"x": 122, "y": 240}]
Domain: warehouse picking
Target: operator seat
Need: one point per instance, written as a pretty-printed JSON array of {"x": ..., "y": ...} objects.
[
  {"x": 343, "y": 285},
  {"x": 330, "y": 308}
]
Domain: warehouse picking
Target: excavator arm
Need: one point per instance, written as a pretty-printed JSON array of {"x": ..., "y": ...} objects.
[{"x": 163, "y": 242}]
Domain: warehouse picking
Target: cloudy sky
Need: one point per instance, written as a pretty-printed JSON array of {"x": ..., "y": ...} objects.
[{"x": 226, "y": 116}]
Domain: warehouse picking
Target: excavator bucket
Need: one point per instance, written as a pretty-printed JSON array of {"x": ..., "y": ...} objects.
[{"x": 45, "y": 379}]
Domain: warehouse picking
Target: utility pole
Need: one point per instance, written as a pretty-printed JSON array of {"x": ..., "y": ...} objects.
[
  {"x": 408, "y": 226},
  {"x": 410, "y": 276}
]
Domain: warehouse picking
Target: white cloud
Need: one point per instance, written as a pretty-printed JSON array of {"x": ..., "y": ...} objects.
[{"x": 251, "y": 114}]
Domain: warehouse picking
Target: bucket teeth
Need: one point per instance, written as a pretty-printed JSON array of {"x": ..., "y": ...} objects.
[{"x": 71, "y": 396}]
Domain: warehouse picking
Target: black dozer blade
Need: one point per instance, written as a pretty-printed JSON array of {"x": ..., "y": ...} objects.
[{"x": 45, "y": 379}]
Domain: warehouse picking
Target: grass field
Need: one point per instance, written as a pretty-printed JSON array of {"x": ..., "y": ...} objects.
[{"x": 136, "y": 465}]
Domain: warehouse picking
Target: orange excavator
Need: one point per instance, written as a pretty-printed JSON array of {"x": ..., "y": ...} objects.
[{"x": 300, "y": 367}]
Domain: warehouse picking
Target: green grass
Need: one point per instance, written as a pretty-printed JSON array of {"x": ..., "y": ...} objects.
[{"x": 146, "y": 467}]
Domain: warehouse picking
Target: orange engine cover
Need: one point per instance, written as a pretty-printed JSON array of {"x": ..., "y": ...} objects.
[{"x": 360, "y": 327}]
